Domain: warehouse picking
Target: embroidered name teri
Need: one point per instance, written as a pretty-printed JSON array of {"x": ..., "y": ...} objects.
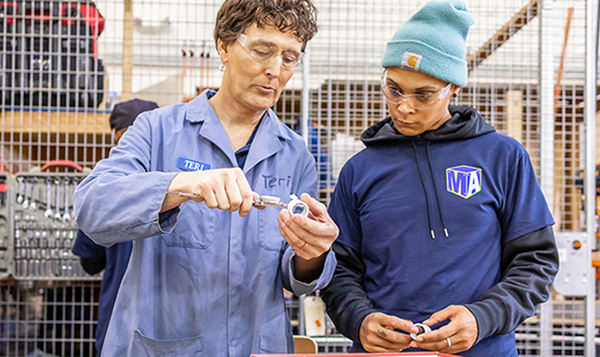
[
  {"x": 191, "y": 165},
  {"x": 272, "y": 181}
]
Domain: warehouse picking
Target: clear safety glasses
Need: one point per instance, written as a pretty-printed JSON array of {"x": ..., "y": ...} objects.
[
  {"x": 392, "y": 92},
  {"x": 264, "y": 52}
]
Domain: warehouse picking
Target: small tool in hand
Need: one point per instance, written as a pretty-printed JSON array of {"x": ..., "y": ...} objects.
[{"x": 295, "y": 206}]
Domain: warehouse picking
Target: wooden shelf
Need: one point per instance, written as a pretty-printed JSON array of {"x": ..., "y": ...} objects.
[{"x": 61, "y": 122}]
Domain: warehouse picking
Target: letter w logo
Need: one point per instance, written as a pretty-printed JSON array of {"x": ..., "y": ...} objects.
[{"x": 464, "y": 181}]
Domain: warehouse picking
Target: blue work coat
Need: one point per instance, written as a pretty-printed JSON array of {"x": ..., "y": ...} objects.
[{"x": 200, "y": 282}]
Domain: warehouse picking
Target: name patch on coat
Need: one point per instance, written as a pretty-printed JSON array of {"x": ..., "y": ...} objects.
[
  {"x": 191, "y": 165},
  {"x": 463, "y": 181}
]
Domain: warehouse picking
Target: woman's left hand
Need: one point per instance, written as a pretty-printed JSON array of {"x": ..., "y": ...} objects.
[{"x": 310, "y": 236}]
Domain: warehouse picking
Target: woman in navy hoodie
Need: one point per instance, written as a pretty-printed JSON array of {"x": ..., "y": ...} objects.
[{"x": 442, "y": 220}]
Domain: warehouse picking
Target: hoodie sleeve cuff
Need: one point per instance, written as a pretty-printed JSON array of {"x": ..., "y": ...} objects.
[
  {"x": 488, "y": 314},
  {"x": 356, "y": 321},
  {"x": 300, "y": 288}
]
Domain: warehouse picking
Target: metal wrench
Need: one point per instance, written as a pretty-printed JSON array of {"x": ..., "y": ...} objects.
[
  {"x": 295, "y": 206},
  {"x": 48, "y": 212},
  {"x": 57, "y": 214},
  {"x": 26, "y": 201},
  {"x": 66, "y": 217},
  {"x": 33, "y": 204},
  {"x": 19, "y": 194}
]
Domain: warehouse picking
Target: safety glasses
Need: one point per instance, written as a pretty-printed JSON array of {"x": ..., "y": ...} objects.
[
  {"x": 393, "y": 94},
  {"x": 264, "y": 52}
]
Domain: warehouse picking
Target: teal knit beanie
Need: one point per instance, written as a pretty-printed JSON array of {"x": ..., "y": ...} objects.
[{"x": 432, "y": 41}]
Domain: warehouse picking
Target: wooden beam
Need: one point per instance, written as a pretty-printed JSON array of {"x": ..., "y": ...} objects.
[
  {"x": 55, "y": 122},
  {"x": 127, "y": 50},
  {"x": 514, "y": 114},
  {"x": 516, "y": 23}
]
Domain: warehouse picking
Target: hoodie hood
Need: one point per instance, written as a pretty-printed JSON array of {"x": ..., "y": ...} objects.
[{"x": 465, "y": 123}]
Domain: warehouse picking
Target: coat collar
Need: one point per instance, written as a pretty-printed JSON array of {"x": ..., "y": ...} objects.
[{"x": 268, "y": 140}]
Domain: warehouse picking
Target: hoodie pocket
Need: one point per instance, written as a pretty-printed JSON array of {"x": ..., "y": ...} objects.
[{"x": 147, "y": 347}]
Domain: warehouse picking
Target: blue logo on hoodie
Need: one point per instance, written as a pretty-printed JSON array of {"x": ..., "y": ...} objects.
[{"x": 464, "y": 181}]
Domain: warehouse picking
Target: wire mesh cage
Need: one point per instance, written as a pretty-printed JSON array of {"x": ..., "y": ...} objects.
[
  {"x": 65, "y": 64},
  {"x": 48, "y": 318}
]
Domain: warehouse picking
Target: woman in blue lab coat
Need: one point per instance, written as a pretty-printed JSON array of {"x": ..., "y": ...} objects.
[{"x": 206, "y": 275}]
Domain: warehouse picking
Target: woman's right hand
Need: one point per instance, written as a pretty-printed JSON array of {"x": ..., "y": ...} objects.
[
  {"x": 226, "y": 189},
  {"x": 378, "y": 333}
]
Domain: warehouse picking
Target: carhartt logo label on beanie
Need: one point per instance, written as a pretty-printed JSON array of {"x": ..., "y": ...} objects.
[
  {"x": 437, "y": 33},
  {"x": 411, "y": 61}
]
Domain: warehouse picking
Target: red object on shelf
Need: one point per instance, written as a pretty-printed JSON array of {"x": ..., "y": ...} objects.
[
  {"x": 399, "y": 354},
  {"x": 61, "y": 163}
]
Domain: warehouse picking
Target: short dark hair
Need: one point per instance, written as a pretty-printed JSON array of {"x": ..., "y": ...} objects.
[{"x": 297, "y": 16}]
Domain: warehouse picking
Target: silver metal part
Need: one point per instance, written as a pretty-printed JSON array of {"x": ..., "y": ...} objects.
[
  {"x": 26, "y": 201},
  {"x": 32, "y": 203},
  {"x": 67, "y": 216},
  {"x": 48, "y": 212},
  {"x": 270, "y": 201},
  {"x": 295, "y": 206},
  {"x": 19, "y": 192},
  {"x": 423, "y": 329},
  {"x": 57, "y": 215}
]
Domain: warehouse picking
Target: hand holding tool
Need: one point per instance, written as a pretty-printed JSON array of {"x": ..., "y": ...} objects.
[{"x": 295, "y": 206}]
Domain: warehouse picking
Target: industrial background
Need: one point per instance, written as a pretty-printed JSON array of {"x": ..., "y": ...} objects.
[{"x": 65, "y": 64}]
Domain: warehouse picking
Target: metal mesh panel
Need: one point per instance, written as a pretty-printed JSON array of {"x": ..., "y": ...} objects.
[
  {"x": 55, "y": 318},
  {"x": 60, "y": 78}
]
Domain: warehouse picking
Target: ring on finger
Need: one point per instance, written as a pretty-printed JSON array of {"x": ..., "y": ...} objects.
[
  {"x": 304, "y": 245},
  {"x": 449, "y": 342}
]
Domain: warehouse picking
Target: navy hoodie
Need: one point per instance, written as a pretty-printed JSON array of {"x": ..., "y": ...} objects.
[{"x": 454, "y": 216}]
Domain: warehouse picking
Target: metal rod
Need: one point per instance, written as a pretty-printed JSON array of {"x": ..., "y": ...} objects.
[
  {"x": 304, "y": 119},
  {"x": 547, "y": 110},
  {"x": 590, "y": 174},
  {"x": 256, "y": 202}
]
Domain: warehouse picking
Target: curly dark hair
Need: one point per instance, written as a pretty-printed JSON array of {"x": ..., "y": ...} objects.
[{"x": 297, "y": 16}]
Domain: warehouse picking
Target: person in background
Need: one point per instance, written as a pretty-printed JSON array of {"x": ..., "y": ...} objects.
[
  {"x": 316, "y": 149},
  {"x": 442, "y": 220},
  {"x": 207, "y": 270},
  {"x": 113, "y": 260}
]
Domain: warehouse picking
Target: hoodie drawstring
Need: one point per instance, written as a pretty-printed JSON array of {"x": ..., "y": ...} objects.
[
  {"x": 437, "y": 197},
  {"x": 425, "y": 189}
]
